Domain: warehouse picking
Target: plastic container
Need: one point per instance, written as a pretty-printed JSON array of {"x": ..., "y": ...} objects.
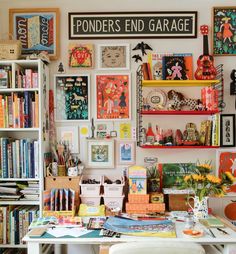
[
  {"x": 114, "y": 189},
  {"x": 89, "y": 189},
  {"x": 90, "y": 200},
  {"x": 113, "y": 202}
]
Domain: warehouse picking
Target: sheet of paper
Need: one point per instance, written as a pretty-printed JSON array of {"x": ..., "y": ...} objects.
[{"x": 74, "y": 232}]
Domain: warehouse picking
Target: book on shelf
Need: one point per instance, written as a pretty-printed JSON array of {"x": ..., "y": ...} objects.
[
  {"x": 26, "y": 78},
  {"x": 5, "y": 77}
]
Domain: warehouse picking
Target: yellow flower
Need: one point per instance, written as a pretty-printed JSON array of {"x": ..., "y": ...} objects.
[
  {"x": 230, "y": 176},
  {"x": 220, "y": 195},
  {"x": 213, "y": 179},
  {"x": 224, "y": 188},
  {"x": 186, "y": 178},
  {"x": 198, "y": 177},
  {"x": 205, "y": 166}
]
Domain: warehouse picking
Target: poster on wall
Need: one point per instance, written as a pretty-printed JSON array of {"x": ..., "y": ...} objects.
[
  {"x": 224, "y": 26},
  {"x": 37, "y": 29},
  {"x": 113, "y": 97}
]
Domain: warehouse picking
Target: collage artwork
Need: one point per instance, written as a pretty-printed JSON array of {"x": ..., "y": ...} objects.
[{"x": 113, "y": 92}]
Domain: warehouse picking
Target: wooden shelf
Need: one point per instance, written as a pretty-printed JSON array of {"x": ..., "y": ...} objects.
[
  {"x": 178, "y": 147},
  {"x": 13, "y": 246},
  {"x": 180, "y": 112},
  {"x": 174, "y": 83},
  {"x": 10, "y": 90},
  {"x": 19, "y": 202},
  {"x": 19, "y": 129},
  {"x": 18, "y": 179}
]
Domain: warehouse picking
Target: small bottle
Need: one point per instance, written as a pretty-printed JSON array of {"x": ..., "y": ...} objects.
[{"x": 150, "y": 136}]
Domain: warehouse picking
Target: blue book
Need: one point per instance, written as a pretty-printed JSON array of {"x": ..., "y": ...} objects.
[{"x": 32, "y": 169}]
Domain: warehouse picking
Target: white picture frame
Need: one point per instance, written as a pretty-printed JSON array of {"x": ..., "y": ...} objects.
[
  {"x": 125, "y": 152},
  {"x": 113, "y": 56},
  {"x": 100, "y": 153},
  {"x": 70, "y": 135}
]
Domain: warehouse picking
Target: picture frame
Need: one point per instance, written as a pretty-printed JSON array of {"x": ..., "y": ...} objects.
[
  {"x": 227, "y": 130},
  {"x": 113, "y": 56},
  {"x": 46, "y": 20},
  {"x": 113, "y": 96},
  {"x": 223, "y": 31},
  {"x": 70, "y": 135},
  {"x": 72, "y": 97},
  {"x": 125, "y": 152},
  {"x": 100, "y": 153}
]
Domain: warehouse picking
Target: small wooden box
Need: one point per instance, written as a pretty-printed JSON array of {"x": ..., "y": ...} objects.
[
  {"x": 62, "y": 182},
  {"x": 156, "y": 198},
  {"x": 179, "y": 202}
]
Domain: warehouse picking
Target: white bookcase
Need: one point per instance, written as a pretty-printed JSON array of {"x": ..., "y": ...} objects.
[{"x": 37, "y": 132}]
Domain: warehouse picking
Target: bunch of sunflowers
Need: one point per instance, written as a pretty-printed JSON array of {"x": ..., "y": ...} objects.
[{"x": 205, "y": 184}]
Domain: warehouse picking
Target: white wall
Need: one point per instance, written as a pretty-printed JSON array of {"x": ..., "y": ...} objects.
[{"x": 204, "y": 8}]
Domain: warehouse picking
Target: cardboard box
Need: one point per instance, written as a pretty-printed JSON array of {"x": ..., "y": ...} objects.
[
  {"x": 178, "y": 202},
  {"x": 138, "y": 199}
]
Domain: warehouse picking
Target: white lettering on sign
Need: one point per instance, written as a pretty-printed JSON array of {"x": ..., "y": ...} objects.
[
  {"x": 134, "y": 25},
  {"x": 165, "y": 25}
]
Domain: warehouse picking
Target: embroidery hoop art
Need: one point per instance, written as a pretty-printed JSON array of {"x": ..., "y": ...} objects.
[{"x": 157, "y": 99}]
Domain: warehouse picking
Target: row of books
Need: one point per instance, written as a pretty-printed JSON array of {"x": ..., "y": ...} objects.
[
  {"x": 14, "y": 222},
  {"x": 19, "y": 110},
  {"x": 19, "y": 158},
  {"x": 26, "y": 78},
  {"x": 168, "y": 66},
  {"x": 5, "y": 77},
  {"x": 59, "y": 200}
]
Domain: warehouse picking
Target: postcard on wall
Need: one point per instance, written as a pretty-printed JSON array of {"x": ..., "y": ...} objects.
[
  {"x": 69, "y": 135},
  {"x": 113, "y": 97},
  {"x": 81, "y": 55},
  {"x": 125, "y": 131}
]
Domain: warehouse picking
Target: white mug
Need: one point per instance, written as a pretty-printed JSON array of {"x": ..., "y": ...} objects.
[{"x": 73, "y": 171}]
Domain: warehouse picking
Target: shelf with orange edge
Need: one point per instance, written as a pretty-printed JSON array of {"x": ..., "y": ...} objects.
[
  {"x": 178, "y": 112},
  {"x": 179, "y": 83}
]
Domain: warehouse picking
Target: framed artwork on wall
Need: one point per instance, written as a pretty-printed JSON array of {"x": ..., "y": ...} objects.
[
  {"x": 100, "y": 153},
  {"x": 113, "y": 56},
  {"x": 227, "y": 130},
  {"x": 224, "y": 27},
  {"x": 113, "y": 96},
  {"x": 69, "y": 135},
  {"x": 37, "y": 29},
  {"x": 125, "y": 152},
  {"x": 81, "y": 55},
  {"x": 72, "y": 98}
]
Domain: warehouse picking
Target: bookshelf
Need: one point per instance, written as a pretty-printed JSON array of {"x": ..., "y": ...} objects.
[{"x": 23, "y": 142}]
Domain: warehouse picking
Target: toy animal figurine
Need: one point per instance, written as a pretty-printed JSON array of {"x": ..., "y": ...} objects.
[
  {"x": 157, "y": 71},
  {"x": 191, "y": 135},
  {"x": 179, "y": 101}
]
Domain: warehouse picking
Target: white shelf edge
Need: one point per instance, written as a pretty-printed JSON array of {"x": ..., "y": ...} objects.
[
  {"x": 13, "y": 246},
  {"x": 19, "y": 179},
  {"x": 10, "y": 90},
  {"x": 19, "y": 129},
  {"x": 19, "y": 202}
]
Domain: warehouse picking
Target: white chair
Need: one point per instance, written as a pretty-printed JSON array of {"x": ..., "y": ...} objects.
[{"x": 156, "y": 248}]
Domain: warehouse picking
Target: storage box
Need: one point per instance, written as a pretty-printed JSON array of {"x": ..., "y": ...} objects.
[
  {"x": 114, "y": 189},
  {"x": 114, "y": 202},
  {"x": 137, "y": 180},
  {"x": 156, "y": 198},
  {"x": 178, "y": 202},
  {"x": 89, "y": 189},
  {"x": 90, "y": 200},
  {"x": 138, "y": 199},
  {"x": 145, "y": 208},
  {"x": 62, "y": 182}
]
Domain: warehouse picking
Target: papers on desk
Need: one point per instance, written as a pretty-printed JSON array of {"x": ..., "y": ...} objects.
[{"x": 72, "y": 232}]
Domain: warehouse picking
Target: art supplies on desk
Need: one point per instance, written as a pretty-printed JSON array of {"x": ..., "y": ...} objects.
[
  {"x": 165, "y": 228},
  {"x": 96, "y": 222}
]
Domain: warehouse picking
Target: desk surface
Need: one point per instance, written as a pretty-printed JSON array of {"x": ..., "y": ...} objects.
[{"x": 206, "y": 239}]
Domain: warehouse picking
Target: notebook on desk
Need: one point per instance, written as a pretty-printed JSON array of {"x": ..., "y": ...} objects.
[{"x": 212, "y": 222}]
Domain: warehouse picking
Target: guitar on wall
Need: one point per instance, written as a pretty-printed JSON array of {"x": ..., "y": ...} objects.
[{"x": 205, "y": 63}]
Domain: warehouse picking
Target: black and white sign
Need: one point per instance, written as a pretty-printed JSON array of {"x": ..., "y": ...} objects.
[{"x": 133, "y": 25}]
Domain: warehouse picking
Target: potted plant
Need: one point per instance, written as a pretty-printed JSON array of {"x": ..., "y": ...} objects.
[{"x": 153, "y": 178}]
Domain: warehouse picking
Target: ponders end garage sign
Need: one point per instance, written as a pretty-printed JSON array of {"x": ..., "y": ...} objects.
[{"x": 133, "y": 25}]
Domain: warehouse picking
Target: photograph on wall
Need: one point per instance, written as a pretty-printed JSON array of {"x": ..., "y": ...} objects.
[
  {"x": 113, "y": 56},
  {"x": 113, "y": 96},
  {"x": 100, "y": 153},
  {"x": 37, "y": 29},
  {"x": 81, "y": 55},
  {"x": 72, "y": 98},
  {"x": 125, "y": 152},
  {"x": 224, "y": 26},
  {"x": 227, "y": 130},
  {"x": 226, "y": 162}
]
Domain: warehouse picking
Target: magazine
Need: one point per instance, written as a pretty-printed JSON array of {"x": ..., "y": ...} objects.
[{"x": 163, "y": 228}]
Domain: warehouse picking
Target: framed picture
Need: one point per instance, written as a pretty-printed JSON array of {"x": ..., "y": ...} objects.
[
  {"x": 224, "y": 27},
  {"x": 113, "y": 97},
  {"x": 226, "y": 162},
  {"x": 72, "y": 98},
  {"x": 81, "y": 55},
  {"x": 125, "y": 152},
  {"x": 37, "y": 29},
  {"x": 227, "y": 130},
  {"x": 113, "y": 56},
  {"x": 69, "y": 135},
  {"x": 100, "y": 153}
]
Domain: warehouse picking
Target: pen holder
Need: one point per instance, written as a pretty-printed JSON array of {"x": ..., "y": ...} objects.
[
  {"x": 73, "y": 171},
  {"x": 61, "y": 170}
]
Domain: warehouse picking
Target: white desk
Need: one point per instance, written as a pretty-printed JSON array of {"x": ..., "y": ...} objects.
[{"x": 34, "y": 245}]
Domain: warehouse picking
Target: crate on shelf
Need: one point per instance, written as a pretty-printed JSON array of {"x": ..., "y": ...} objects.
[
  {"x": 113, "y": 202},
  {"x": 113, "y": 186},
  {"x": 92, "y": 200},
  {"x": 92, "y": 185}
]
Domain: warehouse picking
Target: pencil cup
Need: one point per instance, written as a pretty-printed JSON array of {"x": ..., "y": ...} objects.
[
  {"x": 61, "y": 170},
  {"x": 73, "y": 171}
]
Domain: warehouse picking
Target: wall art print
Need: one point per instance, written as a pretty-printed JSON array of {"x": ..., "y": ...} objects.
[
  {"x": 37, "y": 29},
  {"x": 224, "y": 30},
  {"x": 72, "y": 98},
  {"x": 81, "y": 55},
  {"x": 113, "y": 96},
  {"x": 125, "y": 152}
]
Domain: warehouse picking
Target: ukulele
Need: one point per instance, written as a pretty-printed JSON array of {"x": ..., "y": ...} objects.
[{"x": 205, "y": 63}]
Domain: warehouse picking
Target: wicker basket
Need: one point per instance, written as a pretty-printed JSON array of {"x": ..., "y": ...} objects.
[{"x": 10, "y": 49}]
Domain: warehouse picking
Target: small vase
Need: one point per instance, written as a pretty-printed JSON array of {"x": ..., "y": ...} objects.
[{"x": 200, "y": 209}]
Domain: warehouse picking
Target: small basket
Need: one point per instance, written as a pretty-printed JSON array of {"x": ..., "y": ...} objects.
[{"x": 10, "y": 49}]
